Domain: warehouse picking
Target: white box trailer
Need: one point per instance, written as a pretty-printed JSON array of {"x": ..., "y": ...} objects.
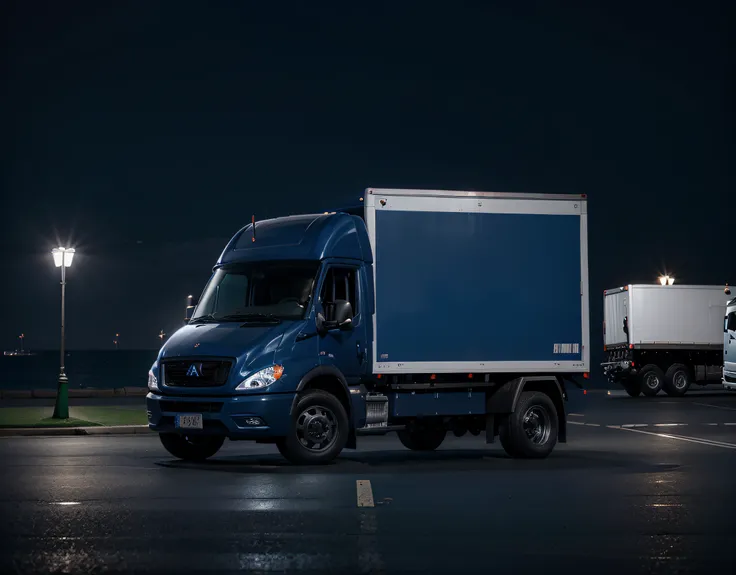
[{"x": 663, "y": 337}]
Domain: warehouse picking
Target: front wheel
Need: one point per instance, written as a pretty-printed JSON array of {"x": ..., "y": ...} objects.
[
  {"x": 422, "y": 440},
  {"x": 319, "y": 431},
  {"x": 191, "y": 447},
  {"x": 531, "y": 430}
]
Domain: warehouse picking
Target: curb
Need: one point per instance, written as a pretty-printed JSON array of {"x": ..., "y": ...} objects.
[
  {"x": 74, "y": 393},
  {"x": 67, "y": 431}
]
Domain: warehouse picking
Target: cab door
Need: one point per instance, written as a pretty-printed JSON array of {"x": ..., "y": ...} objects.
[{"x": 344, "y": 349}]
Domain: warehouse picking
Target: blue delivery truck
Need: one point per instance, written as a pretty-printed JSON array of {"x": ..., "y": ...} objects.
[{"x": 418, "y": 312}]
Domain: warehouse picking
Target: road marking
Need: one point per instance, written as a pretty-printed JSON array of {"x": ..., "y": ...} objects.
[
  {"x": 715, "y": 406},
  {"x": 365, "y": 493},
  {"x": 669, "y": 424},
  {"x": 593, "y": 424},
  {"x": 680, "y": 437},
  {"x": 729, "y": 424},
  {"x": 576, "y": 423},
  {"x": 575, "y": 415},
  {"x": 635, "y": 425}
]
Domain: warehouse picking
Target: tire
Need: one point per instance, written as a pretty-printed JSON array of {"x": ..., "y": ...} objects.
[
  {"x": 652, "y": 380},
  {"x": 633, "y": 388},
  {"x": 422, "y": 440},
  {"x": 677, "y": 380},
  {"x": 192, "y": 448},
  {"x": 317, "y": 415},
  {"x": 530, "y": 432}
]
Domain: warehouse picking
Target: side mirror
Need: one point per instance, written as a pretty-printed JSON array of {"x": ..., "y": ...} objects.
[
  {"x": 191, "y": 305},
  {"x": 343, "y": 314}
]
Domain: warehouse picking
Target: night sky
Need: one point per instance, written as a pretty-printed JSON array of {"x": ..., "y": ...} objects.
[{"x": 145, "y": 134}]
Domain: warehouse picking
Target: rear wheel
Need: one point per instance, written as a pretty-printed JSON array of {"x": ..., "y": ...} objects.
[
  {"x": 677, "y": 380},
  {"x": 633, "y": 388},
  {"x": 320, "y": 429},
  {"x": 422, "y": 439},
  {"x": 192, "y": 447},
  {"x": 652, "y": 379},
  {"x": 531, "y": 431}
]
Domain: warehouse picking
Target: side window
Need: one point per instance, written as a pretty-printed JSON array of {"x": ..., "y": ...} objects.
[
  {"x": 731, "y": 321},
  {"x": 340, "y": 283}
]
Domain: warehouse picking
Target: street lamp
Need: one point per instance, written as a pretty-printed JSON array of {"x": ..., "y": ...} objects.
[
  {"x": 62, "y": 259},
  {"x": 666, "y": 280}
]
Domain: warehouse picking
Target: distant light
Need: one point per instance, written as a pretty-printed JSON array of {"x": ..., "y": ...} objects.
[
  {"x": 63, "y": 256},
  {"x": 666, "y": 280},
  {"x": 670, "y": 281}
]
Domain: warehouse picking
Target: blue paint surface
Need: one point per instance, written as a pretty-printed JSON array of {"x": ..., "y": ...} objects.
[
  {"x": 477, "y": 287},
  {"x": 311, "y": 237}
]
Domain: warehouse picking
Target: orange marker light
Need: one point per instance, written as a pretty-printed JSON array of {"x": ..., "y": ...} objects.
[
  {"x": 470, "y": 376},
  {"x": 433, "y": 377},
  {"x": 586, "y": 375},
  {"x": 278, "y": 371}
]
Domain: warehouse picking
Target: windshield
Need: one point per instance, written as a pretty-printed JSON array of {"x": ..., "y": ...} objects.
[{"x": 258, "y": 291}]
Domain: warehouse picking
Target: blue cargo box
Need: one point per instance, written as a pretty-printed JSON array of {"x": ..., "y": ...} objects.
[{"x": 479, "y": 282}]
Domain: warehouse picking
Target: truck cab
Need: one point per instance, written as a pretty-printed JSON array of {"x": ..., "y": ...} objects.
[
  {"x": 287, "y": 307},
  {"x": 729, "y": 346}
]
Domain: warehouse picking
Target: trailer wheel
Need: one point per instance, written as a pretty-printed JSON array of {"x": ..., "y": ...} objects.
[
  {"x": 319, "y": 432},
  {"x": 677, "y": 380},
  {"x": 531, "y": 430},
  {"x": 633, "y": 388},
  {"x": 422, "y": 439},
  {"x": 652, "y": 380},
  {"x": 191, "y": 448}
]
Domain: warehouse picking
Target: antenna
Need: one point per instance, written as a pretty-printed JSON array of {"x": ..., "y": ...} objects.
[{"x": 253, "y": 226}]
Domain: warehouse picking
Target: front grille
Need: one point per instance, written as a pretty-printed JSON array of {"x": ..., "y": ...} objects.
[
  {"x": 191, "y": 406},
  {"x": 729, "y": 378},
  {"x": 195, "y": 373}
]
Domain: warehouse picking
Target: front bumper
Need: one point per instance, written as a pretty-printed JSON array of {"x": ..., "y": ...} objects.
[
  {"x": 729, "y": 380},
  {"x": 224, "y": 415}
]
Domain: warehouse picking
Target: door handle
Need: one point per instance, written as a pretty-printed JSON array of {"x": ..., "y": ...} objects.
[{"x": 361, "y": 353}]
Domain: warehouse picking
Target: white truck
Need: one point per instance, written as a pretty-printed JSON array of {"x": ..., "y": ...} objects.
[
  {"x": 663, "y": 337},
  {"x": 729, "y": 345}
]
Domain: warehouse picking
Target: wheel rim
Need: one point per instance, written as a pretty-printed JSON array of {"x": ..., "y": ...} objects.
[
  {"x": 537, "y": 424},
  {"x": 651, "y": 380},
  {"x": 316, "y": 428},
  {"x": 680, "y": 380}
]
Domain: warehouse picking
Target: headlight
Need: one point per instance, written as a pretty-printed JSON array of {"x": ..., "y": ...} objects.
[
  {"x": 262, "y": 378},
  {"x": 152, "y": 382}
]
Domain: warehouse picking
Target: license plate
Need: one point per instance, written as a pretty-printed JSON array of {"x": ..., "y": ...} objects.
[{"x": 189, "y": 421}]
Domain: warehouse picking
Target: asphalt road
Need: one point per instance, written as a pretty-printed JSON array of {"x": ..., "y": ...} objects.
[{"x": 630, "y": 493}]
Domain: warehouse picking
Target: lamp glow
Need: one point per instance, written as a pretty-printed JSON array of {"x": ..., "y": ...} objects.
[
  {"x": 63, "y": 256},
  {"x": 663, "y": 280},
  {"x": 670, "y": 280}
]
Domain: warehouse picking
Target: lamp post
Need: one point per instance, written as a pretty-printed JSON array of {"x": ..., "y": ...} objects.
[{"x": 62, "y": 259}]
